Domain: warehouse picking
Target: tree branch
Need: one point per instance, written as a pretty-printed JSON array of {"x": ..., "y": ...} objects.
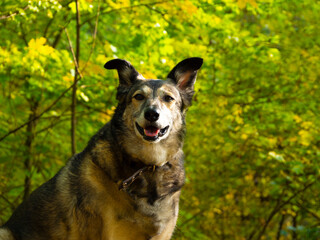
[
  {"x": 12, "y": 206},
  {"x": 313, "y": 214},
  {"x": 280, "y": 226},
  {"x": 23, "y": 35},
  {"x": 13, "y": 14},
  {"x": 125, "y": 8},
  {"x": 38, "y": 116},
  {"x": 192, "y": 218},
  {"x": 94, "y": 38},
  {"x": 278, "y": 207},
  {"x": 74, "y": 88},
  {"x": 74, "y": 56},
  {"x": 49, "y": 24},
  {"x": 163, "y": 15}
]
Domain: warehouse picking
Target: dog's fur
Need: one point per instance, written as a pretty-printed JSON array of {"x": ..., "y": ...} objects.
[{"x": 83, "y": 200}]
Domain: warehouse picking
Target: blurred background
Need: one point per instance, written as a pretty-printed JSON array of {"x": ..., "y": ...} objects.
[{"x": 253, "y": 132}]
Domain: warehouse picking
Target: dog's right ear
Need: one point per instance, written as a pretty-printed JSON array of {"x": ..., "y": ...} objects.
[{"x": 127, "y": 73}]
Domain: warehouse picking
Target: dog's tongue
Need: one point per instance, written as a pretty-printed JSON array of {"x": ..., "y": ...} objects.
[{"x": 151, "y": 131}]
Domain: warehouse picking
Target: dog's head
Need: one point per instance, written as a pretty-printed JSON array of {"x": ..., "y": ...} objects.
[{"x": 155, "y": 109}]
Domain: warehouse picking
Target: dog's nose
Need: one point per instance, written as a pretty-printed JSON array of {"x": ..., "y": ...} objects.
[{"x": 152, "y": 115}]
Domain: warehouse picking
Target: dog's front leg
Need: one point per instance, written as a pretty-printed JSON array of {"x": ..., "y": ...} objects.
[
  {"x": 167, "y": 232},
  {"x": 5, "y": 234}
]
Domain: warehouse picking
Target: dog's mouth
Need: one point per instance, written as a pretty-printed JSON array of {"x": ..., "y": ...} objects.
[{"x": 151, "y": 133}]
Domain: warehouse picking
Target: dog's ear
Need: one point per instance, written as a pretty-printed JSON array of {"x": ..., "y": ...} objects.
[
  {"x": 127, "y": 73},
  {"x": 184, "y": 74}
]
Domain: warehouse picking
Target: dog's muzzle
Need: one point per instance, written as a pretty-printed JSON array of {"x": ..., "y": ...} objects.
[{"x": 151, "y": 133}]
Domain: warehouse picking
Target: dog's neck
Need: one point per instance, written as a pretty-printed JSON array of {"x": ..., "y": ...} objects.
[
  {"x": 156, "y": 154},
  {"x": 135, "y": 167}
]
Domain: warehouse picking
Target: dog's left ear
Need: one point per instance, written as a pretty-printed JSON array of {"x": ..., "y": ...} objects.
[
  {"x": 184, "y": 74},
  {"x": 127, "y": 73}
]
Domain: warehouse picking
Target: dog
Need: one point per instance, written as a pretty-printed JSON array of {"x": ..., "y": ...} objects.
[{"x": 125, "y": 185}]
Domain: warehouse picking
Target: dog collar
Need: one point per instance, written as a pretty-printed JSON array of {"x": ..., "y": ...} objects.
[{"x": 123, "y": 185}]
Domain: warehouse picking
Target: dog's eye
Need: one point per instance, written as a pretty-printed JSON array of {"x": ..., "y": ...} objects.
[
  {"x": 168, "y": 98},
  {"x": 139, "y": 97}
]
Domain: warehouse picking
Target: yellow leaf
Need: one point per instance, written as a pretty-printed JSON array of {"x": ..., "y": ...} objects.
[
  {"x": 253, "y": 3},
  {"x": 272, "y": 141},
  {"x": 149, "y": 75},
  {"x": 210, "y": 214},
  {"x": 189, "y": 7},
  {"x": 35, "y": 43},
  {"x": 214, "y": 21},
  {"x": 248, "y": 177},
  {"x": 237, "y": 110},
  {"x": 46, "y": 50},
  {"x": 244, "y": 136},
  {"x": 239, "y": 120},
  {"x": 49, "y": 14},
  {"x": 110, "y": 112},
  {"x": 307, "y": 125},
  {"x": 195, "y": 201},
  {"x": 229, "y": 196},
  {"x": 293, "y": 139},
  {"x": 36, "y": 47},
  {"x": 67, "y": 78},
  {"x": 297, "y": 118},
  {"x": 242, "y": 4},
  {"x": 305, "y": 137},
  {"x": 291, "y": 212},
  {"x": 104, "y": 117},
  {"x": 217, "y": 210}
]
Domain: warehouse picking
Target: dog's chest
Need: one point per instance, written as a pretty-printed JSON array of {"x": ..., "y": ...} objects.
[
  {"x": 140, "y": 220},
  {"x": 154, "y": 217},
  {"x": 155, "y": 195},
  {"x": 161, "y": 211}
]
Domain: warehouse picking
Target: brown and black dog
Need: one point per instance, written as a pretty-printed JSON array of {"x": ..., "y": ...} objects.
[{"x": 125, "y": 185}]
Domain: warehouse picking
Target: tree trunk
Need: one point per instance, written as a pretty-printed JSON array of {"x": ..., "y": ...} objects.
[
  {"x": 29, "y": 149},
  {"x": 280, "y": 226},
  {"x": 74, "y": 89},
  {"x": 294, "y": 224}
]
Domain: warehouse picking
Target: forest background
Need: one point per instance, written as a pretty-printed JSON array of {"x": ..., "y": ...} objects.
[{"x": 253, "y": 143}]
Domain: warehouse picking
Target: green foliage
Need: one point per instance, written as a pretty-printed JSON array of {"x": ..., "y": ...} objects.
[{"x": 252, "y": 146}]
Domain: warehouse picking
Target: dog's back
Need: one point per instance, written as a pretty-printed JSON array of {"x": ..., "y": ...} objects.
[{"x": 138, "y": 152}]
